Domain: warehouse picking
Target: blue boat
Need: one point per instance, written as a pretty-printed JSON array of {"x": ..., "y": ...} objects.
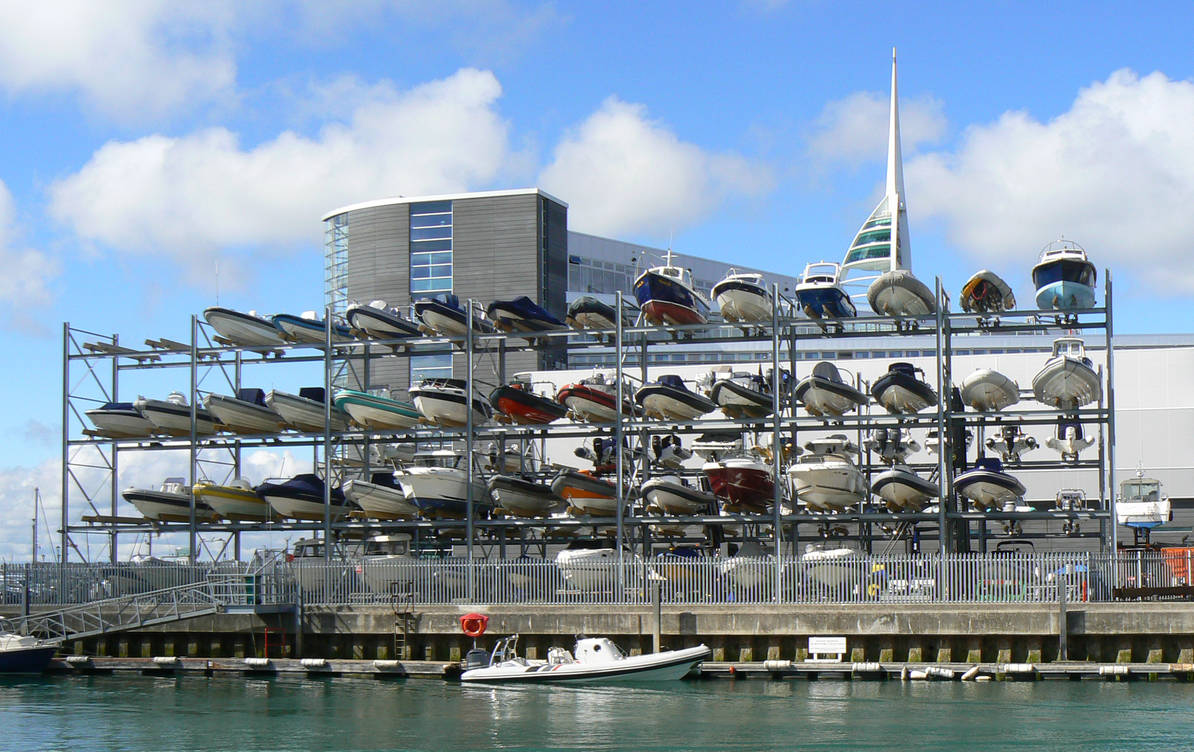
[
  {"x": 24, "y": 655},
  {"x": 1064, "y": 277},
  {"x": 666, "y": 295},
  {"x": 522, "y": 315},
  {"x": 820, "y": 293},
  {"x": 310, "y": 329},
  {"x": 444, "y": 314}
]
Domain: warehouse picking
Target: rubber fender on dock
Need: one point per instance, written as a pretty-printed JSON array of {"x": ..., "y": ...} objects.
[
  {"x": 166, "y": 660},
  {"x": 1113, "y": 670},
  {"x": 775, "y": 665},
  {"x": 78, "y": 660},
  {"x": 314, "y": 662},
  {"x": 1018, "y": 668},
  {"x": 936, "y": 672},
  {"x": 386, "y": 665},
  {"x": 870, "y": 667},
  {"x": 970, "y": 673},
  {"x": 257, "y": 662}
]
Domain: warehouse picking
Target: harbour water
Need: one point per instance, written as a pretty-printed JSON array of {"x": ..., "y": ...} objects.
[{"x": 143, "y": 713}]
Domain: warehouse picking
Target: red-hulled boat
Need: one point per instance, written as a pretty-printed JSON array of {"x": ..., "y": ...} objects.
[
  {"x": 517, "y": 402},
  {"x": 743, "y": 482},
  {"x": 594, "y": 399}
]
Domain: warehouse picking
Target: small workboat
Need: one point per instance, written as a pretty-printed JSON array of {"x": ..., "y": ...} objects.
[
  {"x": 522, "y": 315},
  {"x": 597, "y": 660},
  {"x": 308, "y": 328},
  {"x": 594, "y": 398},
  {"x": 235, "y": 500},
  {"x": 825, "y": 477},
  {"x": 522, "y": 497},
  {"x": 121, "y": 420},
  {"x": 892, "y": 445},
  {"x": 588, "y": 312},
  {"x": 445, "y": 402},
  {"x": 744, "y": 395},
  {"x": 670, "y": 494},
  {"x": 1064, "y": 277},
  {"x": 381, "y": 497},
  {"x": 901, "y": 392},
  {"x": 1069, "y": 440},
  {"x": 22, "y": 654},
  {"x": 986, "y": 292},
  {"x": 247, "y": 412},
  {"x": 302, "y": 498},
  {"x": 443, "y": 314},
  {"x": 170, "y": 503},
  {"x": 376, "y": 411},
  {"x": 987, "y": 486},
  {"x": 380, "y": 321},
  {"x": 666, "y": 295},
  {"x": 743, "y": 298},
  {"x": 746, "y": 483},
  {"x": 669, "y": 399},
  {"x": 898, "y": 293},
  {"x": 438, "y": 484},
  {"x": 1141, "y": 505},
  {"x": 823, "y": 392},
  {"x": 173, "y": 415},
  {"x": 820, "y": 293},
  {"x": 1011, "y": 442},
  {"x": 987, "y": 390},
  {"x": 1068, "y": 379},
  {"x": 587, "y": 492},
  {"x": 307, "y": 410},
  {"x": 903, "y": 490},
  {"x": 244, "y": 329},
  {"x": 518, "y": 403}
]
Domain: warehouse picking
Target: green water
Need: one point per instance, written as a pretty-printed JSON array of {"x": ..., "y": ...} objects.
[{"x": 119, "y": 713}]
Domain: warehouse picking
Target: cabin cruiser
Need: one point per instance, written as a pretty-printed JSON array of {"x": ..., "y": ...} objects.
[
  {"x": 903, "y": 490},
  {"x": 235, "y": 500},
  {"x": 830, "y": 564},
  {"x": 445, "y": 402},
  {"x": 522, "y": 315},
  {"x": 986, "y": 292},
  {"x": 820, "y": 293},
  {"x": 523, "y": 497},
  {"x": 173, "y": 415},
  {"x": 588, "y": 312},
  {"x": 121, "y": 420},
  {"x": 892, "y": 445},
  {"x": 521, "y": 405},
  {"x": 901, "y": 392},
  {"x": 1069, "y": 440},
  {"x": 671, "y": 494},
  {"x": 1068, "y": 380},
  {"x": 21, "y": 654},
  {"x": 1141, "y": 505},
  {"x": 669, "y": 399},
  {"x": 375, "y": 411},
  {"x": 308, "y": 328},
  {"x": 987, "y": 486},
  {"x": 245, "y": 329},
  {"x": 380, "y": 321},
  {"x": 302, "y": 498},
  {"x": 1064, "y": 277},
  {"x": 587, "y": 492},
  {"x": 438, "y": 485},
  {"x": 825, "y": 477},
  {"x": 594, "y": 398},
  {"x": 172, "y": 502},
  {"x": 247, "y": 412},
  {"x": 666, "y": 295},
  {"x": 443, "y": 314},
  {"x": 987, "y": 391},
  {"x": 746, "y": 483},
  {"x": 824, "y": 392},
  {"x": 596, "y": 660},
  {"x": 381, "y": 497},
  {"x": 1011, "y": 442},
  {"x": 307, "y": 410},
  {"x": 744, "y": 395},
  {"x": 743, "y": 298},
  {"x": 897, "y": 293}
]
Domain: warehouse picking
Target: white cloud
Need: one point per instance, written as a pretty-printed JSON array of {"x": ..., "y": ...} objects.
[
  {"x": 193, "y": 196},
  {"x": 27, "y": 272},
  {"x": 128, "y": 58},
  {"x": 854, "y": 129},
  {"x": 623, "y": 173},
  {"x": 1115, "y": 173}
]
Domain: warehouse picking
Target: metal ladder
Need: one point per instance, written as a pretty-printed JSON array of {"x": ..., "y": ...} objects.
[{"x": 404, "y": 621}]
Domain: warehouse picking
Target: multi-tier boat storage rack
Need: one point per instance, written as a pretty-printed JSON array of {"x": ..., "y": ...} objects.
[{"x": 93, "y": 365}]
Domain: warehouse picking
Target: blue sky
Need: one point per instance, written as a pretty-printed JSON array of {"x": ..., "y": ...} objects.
[{"x": 148, "y": 142}]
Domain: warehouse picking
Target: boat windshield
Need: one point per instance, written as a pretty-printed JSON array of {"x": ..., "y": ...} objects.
[
  {"x": 1079, "y": 271},
  {"x": 1143, "y": 489}
]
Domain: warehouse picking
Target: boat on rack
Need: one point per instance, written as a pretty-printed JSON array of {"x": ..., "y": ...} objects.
[
  {"x": 594, "y": 398},
  {"x": 381, "y": 321},
  {"x": 820, "y": 293},
  {"x": 381, "y": 497},
  {"x": 520, "y": 404},
  {"x": 1011, "y": 442},
  {"x": 375, "y": 411},
  {"x": 892, "y": 445},
  {"x": 825, "y": 477},
  {"x": 121, "y": 420},
  {"x": 666, "y": 295},
  {"x": 244, "y": 329},
  {"x": 898, "y": 293},
  {"x": 22, "y": 654},
  {"x": 1064, "y": 277},
  {"x": 987, "y": 390},
  {"x": 1068, "y": 379},
  {"x": 302, "y": 498},
  {"x": 743, "y": 298},
  {"x": 1141, "y": 505},
  {"x": 590, "y": 564},
  {"x": 830, "y": 564},
  {"x": 522, "y": 497},
  {"x": 987, "y": 486},
  {"x": 825, "y": 393},
  {"x": 1069, "y": 440},
  {"x": 903, "y": 490},
  {"x": 170, "y": 503},
  {"x": 247, "y": 412},
  {"x": 235, "y": 500},
  {"x": 437, "y": 483},
  {"x": 444, "y": 315},
  {"x": 173, "y": 415},
  {"x": 445, "y": 402},
  {"x": 671, "y": 494},
  {"x": 746, "y": 483},
  {"x": 986, "y": 292},
  {"x": 744, "y": 395},
  {"x": 901, "y": 392},
  {"x": 522, "y": 315},
  {"x": 669, "y": 399},
  {"x": 588, "y": 312},
  {"x": 596, "y": 660},
  {"x": 588, "y": 492},
  {"x": 308, "y": 328},
  {"x": 307, "y": 410}
]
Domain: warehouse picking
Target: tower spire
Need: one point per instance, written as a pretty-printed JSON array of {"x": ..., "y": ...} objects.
[{"x": 895, "y": 164}]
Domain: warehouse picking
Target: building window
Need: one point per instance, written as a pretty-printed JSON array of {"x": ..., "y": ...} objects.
[
  {"x": 430, "y": 248},
  {"x": 430, "y": 367}
]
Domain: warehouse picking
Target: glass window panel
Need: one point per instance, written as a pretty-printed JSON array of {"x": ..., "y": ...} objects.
[
  {"x": 428, "y": 233},
  {"x": 420, "y": 272},
  {"x": 441, "y": 258},
  {"x": 431, "y": 207},
  {"x": 417, "y": 259},
  {"x": 444, "y": 244},
  {"x": 441, "y": 270},
  {"x": 431, "y": 220}
]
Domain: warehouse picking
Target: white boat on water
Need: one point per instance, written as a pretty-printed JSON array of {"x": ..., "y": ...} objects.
[
  {"x": 1068, "y": 379},
  {"x": 596, "y": 660},
  {"x": 21, "y": 654}
]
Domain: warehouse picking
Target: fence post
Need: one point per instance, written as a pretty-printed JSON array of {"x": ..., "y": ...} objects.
[
  {"x": 1063, "y": 625},
  {"x": 657, "y": 599},
  {"x": 25, "y": 595}
]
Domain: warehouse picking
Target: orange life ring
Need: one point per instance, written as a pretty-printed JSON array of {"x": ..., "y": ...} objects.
[{"x": 474, "y": 625}]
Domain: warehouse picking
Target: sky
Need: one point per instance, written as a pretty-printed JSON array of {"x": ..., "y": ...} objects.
[{"x": 159, "y": 157}]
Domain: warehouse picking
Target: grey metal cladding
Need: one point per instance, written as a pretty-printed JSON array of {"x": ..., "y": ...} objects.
[{"x": 379, "y": 254}]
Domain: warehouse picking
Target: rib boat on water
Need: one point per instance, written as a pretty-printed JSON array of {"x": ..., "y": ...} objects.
[
  {"x": 245, "y": 329},
  {"x": 596, "y": 660},
  {"x": 1064, "y": 277},
  {"x": 743, "y": 298},
  {"x": 381, "y": 321},
  {"x": 1068, "y": 379},
  {"x": 666, "y": 295}
]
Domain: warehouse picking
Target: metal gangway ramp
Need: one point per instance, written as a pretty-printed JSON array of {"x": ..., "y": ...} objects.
[{"x": 216, "y": 593}]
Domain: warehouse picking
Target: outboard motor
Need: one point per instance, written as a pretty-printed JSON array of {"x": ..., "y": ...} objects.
[{"x": 476, "y": 658}]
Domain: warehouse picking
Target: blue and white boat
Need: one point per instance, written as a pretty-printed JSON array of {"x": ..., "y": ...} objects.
[
  {"x": 820, "y": 293},
  {"x": 666, "y": 295},
  {"x": 247, "y": 412},
  {"x": 20, "y": 654},
  {"x": 247, "y": 329},
  {"x": 445, "y": 402},
  {"x": 901, "y": 392},
  {"x": 381, "y": 321},
  {"x": 302, "y": 498},
  {"x": 1064, "y": 277},
  {"x": 669, "y": 399},
  {"x": 443, "y": 314},
  {"x": 988, "y": 486},
  {"x": 310, "y": 329},
  {"x": 522, "y": 315}
]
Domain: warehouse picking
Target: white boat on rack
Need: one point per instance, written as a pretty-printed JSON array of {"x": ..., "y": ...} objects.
[
  {"x": 245, "y": 329},
  {"x": 121, "y": 420},
  {"x": 1068, "y": 379},
  {"x": 381, "y": 321},
  {"x": 307, "y": 411},
  {"x": 831, "y": 564},
  {"x": 381, "y": 497},
  {"x": 825, "y": 477},
  {"x": 235, "y": 500},
  {"x": 445, "y": 402},
  {"x": 172, "y": 502},
  {"x": 1069, "y": 440},
  {"x": 592, "y": 565},
  {"x": 670, "y": 494},
  {"x": 825, "y": 393},
  {"x": 903, "y": 490},
  {"x": 173, "y": 415},
  {"x": 898, "y": 293},
  {"x": 987, "y": 390},
  {"x": 437, "y": 483},
  {"x": 742, "y": 297},
  {"x": 247, "y": 412},
  {"x": 1141, "y": 504},
  {"x": 988, "y": 486},
  {"x": 596, "y": 660}
]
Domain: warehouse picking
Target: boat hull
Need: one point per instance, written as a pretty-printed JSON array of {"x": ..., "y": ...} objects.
[
  {"x": 821, "y": 396},
  {"x": 243, "y": 328},
  {"x": 448, "y": 408},
  {"x": 988, "y": 489},
  {"x": 292, "y": 507},
  {"x": 305, "y": 414},
  {"x": 592, "y": 404},
  {"x": 742, "y": 301},
  {"x": 587, "y": 494},
  {"x": 239, "y": 416},
  {"x": 669, "y": 403},
  {"x": 166, "y": 507},
  {"x": 988, "y": 391},
  {"x": 33, "y": 660},
  {"x": 443, "y": 491},
  {"x": 232, "y": 502},
  {"x": 902, "y": 393},
  {"x": 588, "y": 312},
  {"x": 372, "y": 412},
  {"x": 818, "y": 301},
  {"x": 740, "y": 402},
  {"x": 745, "y": 484},
  {"x": 526, "y": 408},
  {"x": 380, "y": 324},
  {"x": 670, "y": 496},
  {"x": 175, "y": 419},
  {"x": 665, "y": 301},
  {"x": 1065, "y": 296},
  {"x": 986, "y": 292},
  {"x": 897, "y": 293},
  {"x": 903, "y": 489},
  {"x": 830, "y": 483},
  {"x": 379, "y": 501},
  {"x": 1066, "y": 383},
  {"x": 121, "y": 423},
  {"x": 666, "y": 666},
  {"x": 523, "y": 498}
]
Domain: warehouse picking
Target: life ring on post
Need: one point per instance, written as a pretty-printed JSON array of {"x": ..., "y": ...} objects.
[{"x": 474, "y": 625}]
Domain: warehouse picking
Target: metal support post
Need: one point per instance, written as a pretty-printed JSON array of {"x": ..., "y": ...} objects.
[
  {"x": 468, "y": 450},
  {"x": 1112, "y": 523},
  {"x": 193, "y": 448},
  {"x": 776, "y": 445},
  {"x": 618, "y": 397},
  {"x": 64, "y": 543},
  {"x": 327, "y": 436},
  {"x": 1063, "y": 627},
  {"x": 114, "y": 493}
]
